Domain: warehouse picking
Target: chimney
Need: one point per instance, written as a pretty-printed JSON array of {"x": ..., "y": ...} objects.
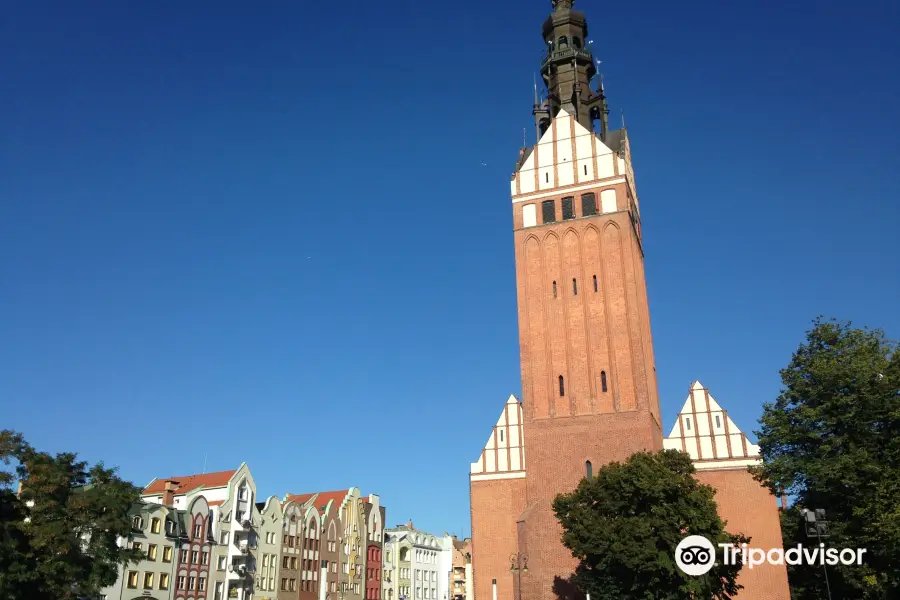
[{"x": 168, "y": 497}]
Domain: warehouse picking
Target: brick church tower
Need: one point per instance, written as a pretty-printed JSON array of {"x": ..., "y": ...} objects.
[{"x": 588, "y": 373}]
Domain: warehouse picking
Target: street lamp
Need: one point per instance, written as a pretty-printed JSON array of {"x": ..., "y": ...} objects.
[
  {"x": 518, "y": 564},
  {"x": 816, "y": 526}
]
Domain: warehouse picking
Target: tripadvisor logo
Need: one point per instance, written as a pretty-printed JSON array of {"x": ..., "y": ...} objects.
[{"x": 695, "y": 555}]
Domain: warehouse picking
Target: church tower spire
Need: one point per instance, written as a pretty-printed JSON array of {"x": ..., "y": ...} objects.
[{"x": 567, "y": 69}]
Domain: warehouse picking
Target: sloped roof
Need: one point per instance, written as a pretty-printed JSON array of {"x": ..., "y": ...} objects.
[
  {"x": 187, "y": 483},
  {"x": 322, "y": 498}
]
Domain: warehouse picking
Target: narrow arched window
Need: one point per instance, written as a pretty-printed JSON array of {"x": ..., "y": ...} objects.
[
  {"x": 574, "y": 286},
  {"x": 554, "y": 289},
  {"x": 603, "y": 380},
  {"x": 595, "y": 283},
  {"x": 589, "y": 469},
  {"x": 563, "y": 42},
  {"x": 562, "y": 386}
]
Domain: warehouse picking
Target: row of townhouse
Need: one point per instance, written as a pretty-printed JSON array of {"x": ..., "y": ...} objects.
[
  {"x": 208, "y": 537},
  {"x": 421, "y": 566}
]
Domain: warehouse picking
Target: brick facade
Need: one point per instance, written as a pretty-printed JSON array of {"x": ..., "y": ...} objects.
[
  {"x": 749, "y": 508},
  {"x": 496, "y": 506}
]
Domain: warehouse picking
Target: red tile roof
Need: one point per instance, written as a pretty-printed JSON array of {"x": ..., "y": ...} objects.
[
  {"x": 189, "y": 483},
  {"x": 323, "y": 498}
]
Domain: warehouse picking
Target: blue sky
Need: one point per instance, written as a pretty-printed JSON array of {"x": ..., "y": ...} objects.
[{"x": 265, "y": 235}]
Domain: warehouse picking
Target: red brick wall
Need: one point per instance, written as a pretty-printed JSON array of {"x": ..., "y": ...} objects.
[
  {"x": 750, "y": 509},
  {"x": 582, "y": 335},
  {"x": 495, "y": 505},
  {"x": 556, "y": 451}
]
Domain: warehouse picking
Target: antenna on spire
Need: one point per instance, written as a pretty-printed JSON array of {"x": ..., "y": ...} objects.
[
  {"x": 524, "y": 139},
  {"x": 623, "y": 118},
  {"x": 534, "y": 76}
]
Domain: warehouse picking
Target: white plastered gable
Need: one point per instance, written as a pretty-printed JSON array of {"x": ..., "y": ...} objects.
[
  {"x": 704, "y": 430},
  {"x": 567, "y": 154},
  {"x": 503, "y": 455}
]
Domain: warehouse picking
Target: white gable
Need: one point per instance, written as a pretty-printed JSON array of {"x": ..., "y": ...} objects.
[
  {"x": 567, "y": 154},
  {"x": 503, "y": 456},
  {"x": 704, "y": 430}
]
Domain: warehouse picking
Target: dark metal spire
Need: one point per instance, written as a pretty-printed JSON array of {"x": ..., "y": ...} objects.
[{"x": 567, "y": 70}]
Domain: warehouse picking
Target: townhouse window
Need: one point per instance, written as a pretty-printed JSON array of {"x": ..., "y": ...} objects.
[
  {"x": 136, "y": 546},
  {"x": 687, "y": 422},
  {"x": 167, "y": 554},
  {"x": 718, "y": 422},
  {"x": 132, "y": 579},
  {"x": 589, "y": 470},
  {"x": 137, "y": 523},
  {"x": 223, "y": 538},
  {"x": 562, "y": 386},
  {"x": 151, "y": 552},
  {"x": 284, "y": 584},
  {"x": 568, "y": 208},
  {"x": 201, "y": 584},
  {"x": 198, "y": 530},
  {"x": 192, "y": 583},
  {"x": 204, "y": 558},
  {"x": 148, "y": 581},
  {"x": 154, "y": 525},
  {"x": 220, "y": 591},
  {"x": 195, "y": 555},
  {"x": 163, "y": 581},
  {"x": 285, "y": 562},
  {"x": 181, "y": 582},
  {"x": 183, "y": 556},
  {"x": 220, "y": 564}
]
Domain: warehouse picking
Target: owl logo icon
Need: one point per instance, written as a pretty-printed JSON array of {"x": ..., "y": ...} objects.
[{"x": 695, "y": 555}]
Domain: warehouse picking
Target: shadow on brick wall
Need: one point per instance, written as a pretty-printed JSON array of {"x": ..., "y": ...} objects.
[{"x": 564, "y": 589}]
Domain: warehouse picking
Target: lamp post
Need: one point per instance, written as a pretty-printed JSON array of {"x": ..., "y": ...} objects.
[
  {"x": 817, "y": 527},
  {"x": 518, "y": 564}
]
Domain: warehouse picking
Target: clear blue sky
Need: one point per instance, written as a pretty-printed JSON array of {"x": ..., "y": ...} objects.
[{"x": 264, "y": 233}]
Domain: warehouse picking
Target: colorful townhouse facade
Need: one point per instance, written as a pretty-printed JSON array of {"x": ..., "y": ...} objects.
[{"x": 208, "y": 537}]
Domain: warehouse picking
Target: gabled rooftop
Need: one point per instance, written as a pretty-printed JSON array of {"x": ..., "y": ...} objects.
[
  {"x": 188, "y": 483},
  {"x": 704, "y": 430}
]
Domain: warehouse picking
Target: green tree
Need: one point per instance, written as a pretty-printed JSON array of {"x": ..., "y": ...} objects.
[
  {"x": 624, "y": 526},
  {"x": 831, "y": 441},
  {"x": 58, "y": 537}
]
